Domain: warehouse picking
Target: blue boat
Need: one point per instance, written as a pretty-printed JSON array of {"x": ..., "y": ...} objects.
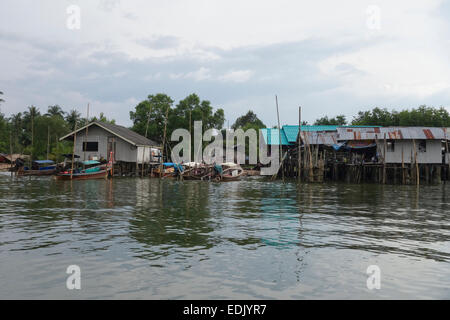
[{"x": 38, "y": 168}]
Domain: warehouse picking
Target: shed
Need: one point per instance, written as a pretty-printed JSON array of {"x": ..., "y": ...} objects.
[{"x": 96, "y": 141}]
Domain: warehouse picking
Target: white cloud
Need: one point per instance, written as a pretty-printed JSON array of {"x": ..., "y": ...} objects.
[
  {"x": 198, "y": 75},
  {"x": 237, "y": 76},
  {"x": 205, "y": 45}
]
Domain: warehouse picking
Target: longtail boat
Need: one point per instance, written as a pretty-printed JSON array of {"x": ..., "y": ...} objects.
[
  {"x": 169, "y": 170},
  {"x": 38, "y": 168},
  {"x": 228, "y": 172},
  {"x": 88, "y": 170}
]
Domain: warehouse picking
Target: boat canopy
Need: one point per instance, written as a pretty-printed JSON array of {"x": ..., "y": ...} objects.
[
  {"x": 89, "y": 162},
  {"x": 44, "y": 161}
]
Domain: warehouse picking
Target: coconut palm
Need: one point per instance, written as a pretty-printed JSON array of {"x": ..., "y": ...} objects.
[
  {"x": 55, "y": 111},
  {"x": 73, "y": 118}
]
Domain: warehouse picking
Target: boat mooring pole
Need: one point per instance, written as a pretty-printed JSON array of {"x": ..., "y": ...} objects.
[
  {"x": 299, "y": 156},
  {"x": 11, "y": 152},
  {"x": 48, "y": 140},
  {"x": 279, "y": 136},
  {"x": 164, "y": 143},
  {"x": 73, "y": 151},
  {"x": 87, "y": 128}
]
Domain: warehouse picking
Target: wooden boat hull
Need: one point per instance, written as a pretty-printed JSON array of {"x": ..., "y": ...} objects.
[
  {"x": 83, "y": 176},
  {"x": 229, "y": 178},
  {"x": 36, "y": 172}
]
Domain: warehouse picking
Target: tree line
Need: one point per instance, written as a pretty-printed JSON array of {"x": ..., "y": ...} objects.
[
  {"x": 37, "y": 134},
  {"x": 423, "y": 116}
]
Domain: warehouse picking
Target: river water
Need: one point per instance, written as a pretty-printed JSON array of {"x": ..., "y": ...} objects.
[{"x": 253, "y": 239}]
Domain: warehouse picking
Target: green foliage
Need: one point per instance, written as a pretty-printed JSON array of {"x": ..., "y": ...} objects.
[
  {"x": 4, "y": 134},
  {"x": 339, "y": 120},
  {"x": 34, "y": 133},
  {"x": 102, "y": 118},
  {"x": 248, "y": 120},
  {"x": 422, "y": 116},
  {"x": 150, "y": 115},
  {"x": 73, "y": 119}
]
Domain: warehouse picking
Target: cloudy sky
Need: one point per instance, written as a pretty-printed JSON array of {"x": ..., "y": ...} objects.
[{"x": 330, "y": 57}]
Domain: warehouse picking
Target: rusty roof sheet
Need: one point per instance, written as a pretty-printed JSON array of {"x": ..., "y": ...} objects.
[
  {"x": 319, "y": 138},
  {"x": 393, "y": 133}
]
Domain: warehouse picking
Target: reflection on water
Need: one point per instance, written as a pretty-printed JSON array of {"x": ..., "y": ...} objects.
[{"x": 142, "y": 238}]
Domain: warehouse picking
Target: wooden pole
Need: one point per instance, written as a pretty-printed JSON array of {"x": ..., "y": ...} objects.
[
  {"x": 56, "y": 150},
  {"x": 384, "y": 159},
  {"x": 279, "y": 137},
  {"x": 190, "y": 134},
  {"x": 403, "y": 166},
  {"x": 11, "y": 153},
  {"x": 146, "y": 133},
  {"x": 411, "y": 164},
  {"x": 32, "y": 138},
  {"x": 87, "y": 128},
  {"x": 164, "y": 142},
  {"x": 148, "y": 120},
  {"x": 143, "y": 159},
  {"x": 311, "y": 173},
  {"x": 447, "y": 154},
  {"x": 48, "y": 141},
  {"x": 299, "y": 144},
  {"x": 73, "y": 151},
  {"x": 417, "y": 165}
]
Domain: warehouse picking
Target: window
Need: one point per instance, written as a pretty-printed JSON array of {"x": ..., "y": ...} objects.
[
  {"x": 423, "y": 146},
  {"x": 90, "y": 146},
  {"x": 390, "y": 146}
]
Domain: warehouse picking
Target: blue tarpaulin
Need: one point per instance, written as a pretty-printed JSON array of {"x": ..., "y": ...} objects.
[
  {"x": 44, "y": 162},
  {"x": 177, "y": 167}
]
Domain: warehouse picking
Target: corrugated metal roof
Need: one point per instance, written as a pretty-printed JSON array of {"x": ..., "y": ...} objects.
[
  {"x": 120, "y": 131},
  {"x": 319, "y": 138},
  {"x": 271, "y": 137},
  {"x": 291, "y": 131},
  {"x": 391, "y": 133}
]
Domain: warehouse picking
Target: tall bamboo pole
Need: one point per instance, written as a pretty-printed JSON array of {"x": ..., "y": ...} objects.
[
  {"x": 384, "y": 159},
  {"x": 86, "y": 136},
  {"x": 164, "y": 142},
  {"x": 279, "y": 138},
  {"x": 11, "y": 153},
  {"x": 403, "y": 166},
  {"x": 146, "y": 132},
  {"x": 299, "y": 144},
  {"x": 148, "y": 120},
  {"x": 447, "y": 154},
  {"x": 32, "y": 138},
  {"x": 417, "y": 165},
  {"x": 73, "y": 151},
  {"x": 56, "y": 150},
  {"x": 190, "y": 135},
  {"x": 48, "y": 140},
  {"x": 310, "y": 170}
]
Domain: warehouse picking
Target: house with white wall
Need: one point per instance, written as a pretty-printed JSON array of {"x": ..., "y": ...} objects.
[
  {"x": 98, "y": 139},
  {"x": 401, "y": 144}
]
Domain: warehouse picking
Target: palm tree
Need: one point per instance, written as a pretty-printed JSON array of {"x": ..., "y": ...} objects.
[
  {"x": 55, "y": 111},
  {"x": 73, "y": 117},
  {"x": 1, "y": 100},
  {"x": 32, "y": 112}
]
